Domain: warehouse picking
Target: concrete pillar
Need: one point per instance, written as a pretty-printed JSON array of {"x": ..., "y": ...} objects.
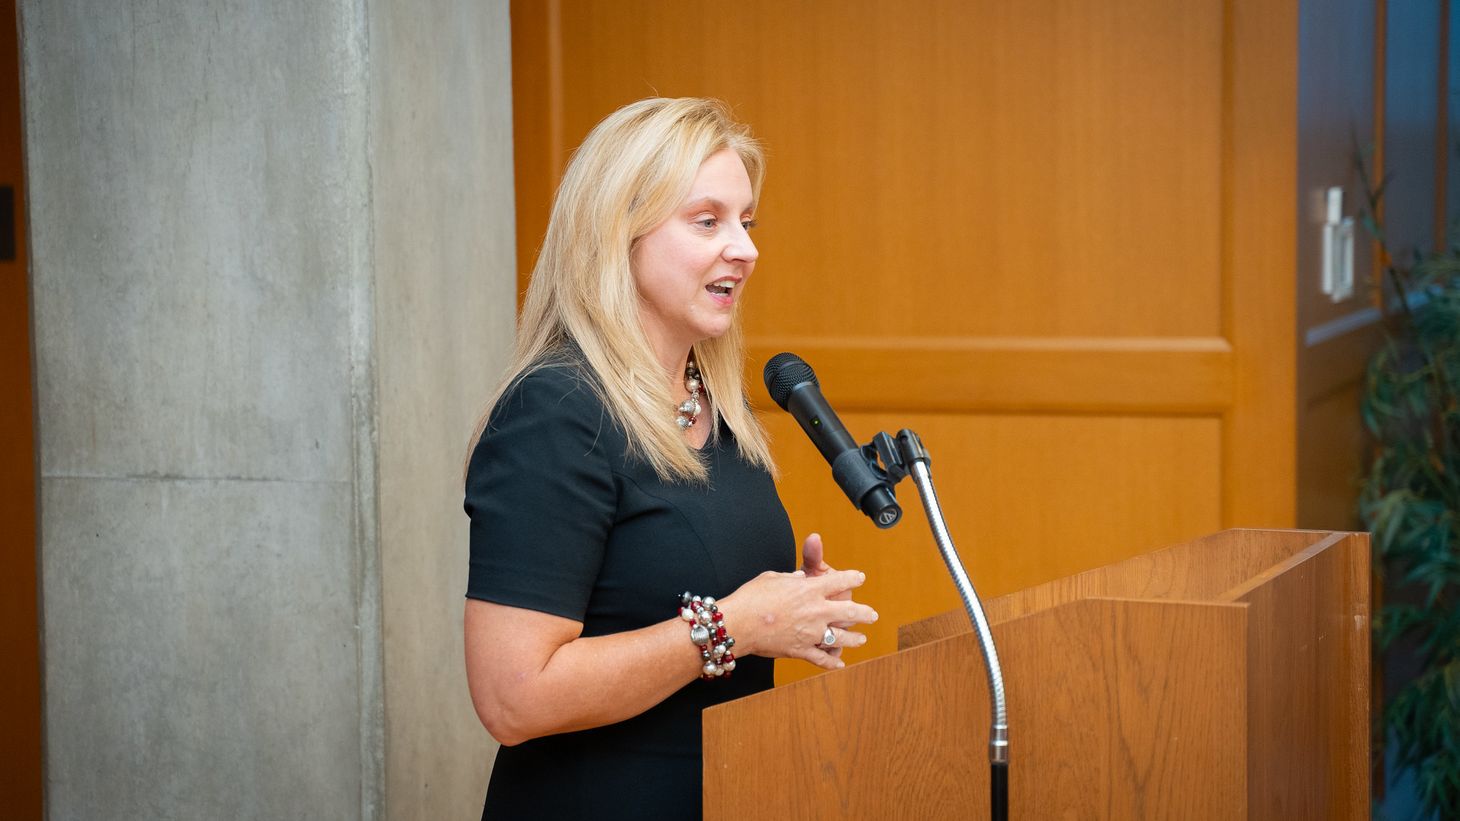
[
  {"x": 445, "y": 300},
  {"x": 273, "y": 274}
]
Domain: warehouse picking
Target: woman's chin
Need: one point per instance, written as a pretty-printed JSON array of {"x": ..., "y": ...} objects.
[{"x": 713, "y": 331}]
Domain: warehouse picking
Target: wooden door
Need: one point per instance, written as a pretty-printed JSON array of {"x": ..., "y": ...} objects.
[{"x": 1054, "y": 238}]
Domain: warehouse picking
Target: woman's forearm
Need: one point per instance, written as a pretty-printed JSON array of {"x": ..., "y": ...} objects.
[
  {"x": 525, "y": 684},
  {"x": 532, "y": 674}
]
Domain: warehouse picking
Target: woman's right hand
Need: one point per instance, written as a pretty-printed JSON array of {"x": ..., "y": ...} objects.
[{"x": 785, "y": 615}]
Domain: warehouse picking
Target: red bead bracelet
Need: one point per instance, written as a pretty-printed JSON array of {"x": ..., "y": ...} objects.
[{"x": 707, "y": 631}]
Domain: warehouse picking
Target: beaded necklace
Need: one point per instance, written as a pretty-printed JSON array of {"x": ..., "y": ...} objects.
[{"x": 689, "y": 409}]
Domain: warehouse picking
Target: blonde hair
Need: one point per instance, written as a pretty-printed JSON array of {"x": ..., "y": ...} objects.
[{"x": 632, "y": 171}]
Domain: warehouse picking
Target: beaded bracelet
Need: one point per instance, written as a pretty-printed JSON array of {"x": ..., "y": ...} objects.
[{"x": 707, "y": 631}]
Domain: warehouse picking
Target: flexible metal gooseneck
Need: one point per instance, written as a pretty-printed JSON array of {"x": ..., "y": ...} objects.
[
  {"x": 915, "y": 456},
  {"x": 868, "y": 485}
]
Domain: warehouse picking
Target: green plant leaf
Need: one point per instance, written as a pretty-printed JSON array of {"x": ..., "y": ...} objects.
[{"x": 1409, "y": 499}]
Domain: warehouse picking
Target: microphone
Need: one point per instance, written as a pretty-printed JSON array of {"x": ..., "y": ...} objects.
[{"x": 793, "y": 386}]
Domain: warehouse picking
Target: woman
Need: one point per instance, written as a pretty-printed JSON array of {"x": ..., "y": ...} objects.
[{"x": 620, "y": 466}]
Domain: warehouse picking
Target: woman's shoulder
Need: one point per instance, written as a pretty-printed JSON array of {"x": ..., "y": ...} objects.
[
  {"x": 547, "y": 431},
  {"x": 554, "y": 387},
  {"x": 556, "y": 401},
  {"x": 549, "y": 417}
]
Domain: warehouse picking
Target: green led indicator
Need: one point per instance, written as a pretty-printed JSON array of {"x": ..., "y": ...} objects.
[{"x": 815, "y": 421}]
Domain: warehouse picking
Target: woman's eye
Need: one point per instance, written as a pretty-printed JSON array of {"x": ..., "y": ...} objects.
[
  {"x": 707, "y": 222},
  {"x": 748, "y": 224}
]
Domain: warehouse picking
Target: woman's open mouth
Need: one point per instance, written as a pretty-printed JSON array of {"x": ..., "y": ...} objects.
[{"x": 723, "y": 292}]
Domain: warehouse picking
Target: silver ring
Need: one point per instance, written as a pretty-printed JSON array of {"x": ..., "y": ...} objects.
[{"x": 828, "y": 639}]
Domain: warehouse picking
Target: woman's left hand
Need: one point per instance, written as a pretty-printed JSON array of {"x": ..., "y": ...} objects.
[{"x": 812, "y": 564}]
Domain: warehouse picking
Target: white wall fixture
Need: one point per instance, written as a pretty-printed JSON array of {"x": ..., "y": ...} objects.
[{"x": 1338, "y": 248}]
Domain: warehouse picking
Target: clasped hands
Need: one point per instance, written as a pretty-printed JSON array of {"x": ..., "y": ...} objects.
[{"x": 788, "y": 615}]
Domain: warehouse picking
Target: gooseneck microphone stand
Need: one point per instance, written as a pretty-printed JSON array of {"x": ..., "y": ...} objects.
[
  {"x": 915, "y": 457},
  {"x": 908, "y": 457},
  {"x": 868, "y": 485}
]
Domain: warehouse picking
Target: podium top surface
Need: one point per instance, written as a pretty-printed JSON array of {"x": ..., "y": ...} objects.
[{"x": 1219, "y": 567}]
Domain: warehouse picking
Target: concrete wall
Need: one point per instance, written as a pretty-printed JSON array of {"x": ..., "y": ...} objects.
[
  {"x": 260, "y": 300},
  {"x": 445, "y": 298}
]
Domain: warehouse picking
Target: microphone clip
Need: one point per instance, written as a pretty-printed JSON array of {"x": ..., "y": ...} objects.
[
  {"x": 892, "y": 459},
  {"x": 888, "y": 461}
]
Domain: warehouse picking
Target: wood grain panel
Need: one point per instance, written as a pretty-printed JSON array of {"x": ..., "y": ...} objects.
[
  {"x": 1307, "y": 647},
  {"x": 1021, "y": 508},
  {"x": 1056, "y": 238},
  {"x": 1123, "y": 709},
  {"x": 1204, "y": 569},
  {"x": 539, "y": 153},
  {"x": 980, "y": 168},
  {"x": 1308, "y": 691},
  {"x": 1259, "y": 226},
  {"x": 987, "y": 374}
]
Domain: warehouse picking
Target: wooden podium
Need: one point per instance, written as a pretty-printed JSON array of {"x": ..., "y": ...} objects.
[{"x": 1223, "y": 678}]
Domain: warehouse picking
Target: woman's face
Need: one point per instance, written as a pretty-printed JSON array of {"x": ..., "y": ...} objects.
[{"x": 691, "y": 269}]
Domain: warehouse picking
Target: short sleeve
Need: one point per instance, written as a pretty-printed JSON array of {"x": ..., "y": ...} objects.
[{"x": 540, "y": 495}]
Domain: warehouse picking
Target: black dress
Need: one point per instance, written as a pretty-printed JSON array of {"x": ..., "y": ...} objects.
[{"x": 564, "y": 523}]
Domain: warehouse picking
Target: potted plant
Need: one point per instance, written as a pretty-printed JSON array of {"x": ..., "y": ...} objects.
[{"x": 1410, "y": 501}]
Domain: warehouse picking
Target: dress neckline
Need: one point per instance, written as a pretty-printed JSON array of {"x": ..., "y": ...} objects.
[{"x": 709, "y": 445}]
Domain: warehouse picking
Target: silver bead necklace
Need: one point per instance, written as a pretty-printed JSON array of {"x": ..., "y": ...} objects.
[{"x": 689, "y": 409}]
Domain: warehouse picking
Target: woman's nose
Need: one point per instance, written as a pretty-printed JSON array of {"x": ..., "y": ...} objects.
[{"x": 742, "y": 247}]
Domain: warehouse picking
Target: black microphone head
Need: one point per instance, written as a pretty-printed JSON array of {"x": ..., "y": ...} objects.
[{"x": 783, "y": 373}]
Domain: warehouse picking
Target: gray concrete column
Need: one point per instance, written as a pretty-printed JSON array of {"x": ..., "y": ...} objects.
[
  {"x": 272, "y": 273},
  {"x": 445, "y": 294}
]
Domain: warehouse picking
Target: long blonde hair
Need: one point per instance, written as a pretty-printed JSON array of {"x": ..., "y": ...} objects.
[{"x": 632, "y": 171}]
